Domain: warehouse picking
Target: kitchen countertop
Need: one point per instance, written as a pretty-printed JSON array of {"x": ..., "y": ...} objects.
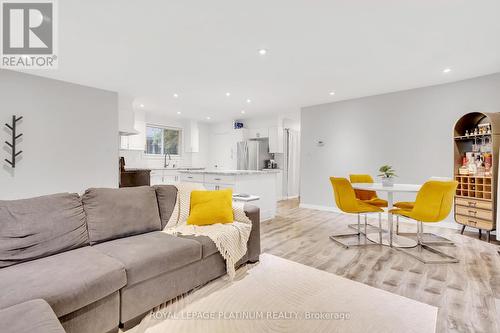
[
  {"x": 231, "y": 172},
  {"x": 134, "y": 170},
  {"x": 178, "y": 169}
]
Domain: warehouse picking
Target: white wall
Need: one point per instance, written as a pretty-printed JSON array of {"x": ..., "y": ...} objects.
[
  {"x": 70, "y": 136},
  {"x": 410, "y": 130}
]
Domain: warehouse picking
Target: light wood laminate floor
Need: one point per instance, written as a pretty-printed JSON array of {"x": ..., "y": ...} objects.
[{"x": 466, "y": 293}]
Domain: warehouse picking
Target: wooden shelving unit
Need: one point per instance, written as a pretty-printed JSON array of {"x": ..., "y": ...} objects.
[
  {"x": 476, "y": 195},
  {"x": 479, "y": 187}
]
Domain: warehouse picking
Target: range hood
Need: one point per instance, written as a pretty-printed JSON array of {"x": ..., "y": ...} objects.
[
  {"x": 126, "y": 116},
  {"x": 128, "y": 132}
]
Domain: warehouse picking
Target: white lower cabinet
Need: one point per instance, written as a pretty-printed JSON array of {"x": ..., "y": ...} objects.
[
  {"x": 211, "y": 182},
  {"x": 156, "y": 177},
  {"x": 191, "y": 177},
  {"x": 165, "y": 177}
]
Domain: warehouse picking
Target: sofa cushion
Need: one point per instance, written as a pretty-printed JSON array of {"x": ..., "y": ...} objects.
[
  {"x": 152, "y": 254},
  {"x": 115, "y": 213},
  {"x": 166, "y": 196},
  {"x": 29, "y": 317},
  {"x": 39, "y": 227},
  {"x": 207, "y": 245},
  {"x": 68, "y": 281}
]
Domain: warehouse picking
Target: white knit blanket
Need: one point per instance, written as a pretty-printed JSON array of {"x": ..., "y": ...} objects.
[{"x": 230, "y": 238}]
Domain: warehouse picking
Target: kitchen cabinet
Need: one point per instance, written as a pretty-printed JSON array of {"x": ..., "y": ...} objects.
[
  {"x": 165, "y": 177},
  {"x": 133, "y": 142},
  {"x": 190, "y": 177},
  {"x": 276, "y": 140},
  {"x": 257, "y": 133},
  {"x": 192, "y": 137},
  {"x": 171, "y": 176},
  {"x": 156, "y": 177}
]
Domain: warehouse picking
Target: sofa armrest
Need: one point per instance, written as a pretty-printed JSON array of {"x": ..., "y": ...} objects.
[{"x": 253, "y": 251}]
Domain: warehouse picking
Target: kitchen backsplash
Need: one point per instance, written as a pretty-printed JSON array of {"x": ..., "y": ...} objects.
[{"x": 137, "y": 159}]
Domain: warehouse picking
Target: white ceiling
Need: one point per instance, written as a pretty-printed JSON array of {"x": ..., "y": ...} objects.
[{"x": 203, "y": 49}]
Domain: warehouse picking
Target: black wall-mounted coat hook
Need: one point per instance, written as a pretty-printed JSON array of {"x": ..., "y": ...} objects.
[{"x": 12, "y": 144}]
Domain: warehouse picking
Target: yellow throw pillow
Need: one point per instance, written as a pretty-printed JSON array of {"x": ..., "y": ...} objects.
[{"x": 211, "y": 207}]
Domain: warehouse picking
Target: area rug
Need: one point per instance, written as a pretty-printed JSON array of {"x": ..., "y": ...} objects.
[{"x": 278, "y": 295}]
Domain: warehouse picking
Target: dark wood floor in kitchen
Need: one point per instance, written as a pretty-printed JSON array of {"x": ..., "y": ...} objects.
[{"x": 467, "y": 294}]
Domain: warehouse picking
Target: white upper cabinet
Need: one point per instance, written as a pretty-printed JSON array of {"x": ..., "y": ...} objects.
[
  {"x": 276, "y": 140},
  {"x": 257, "y": 133},
  {"x": 192, "y": 137}
]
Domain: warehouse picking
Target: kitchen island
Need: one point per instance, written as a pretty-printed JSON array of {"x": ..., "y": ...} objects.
[{"x": 259, "y": 183}]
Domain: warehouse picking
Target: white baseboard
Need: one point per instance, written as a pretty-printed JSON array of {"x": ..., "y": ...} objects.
[
  {"x": 323, "y": 208},
  {"x": 448, "y": 223}
]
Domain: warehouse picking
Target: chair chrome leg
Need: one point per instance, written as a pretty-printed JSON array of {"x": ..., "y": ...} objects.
[
  {"x": 428, "y": 238},
  {"x": 359, "y": 237},
  {"x": 366, "y": 222},
  {"x": 380, "y": 228},
  {"x": 446, "y": 259},
  {"x": 369, "y": 227}
]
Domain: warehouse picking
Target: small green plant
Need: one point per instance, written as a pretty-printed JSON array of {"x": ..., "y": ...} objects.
[{"x": 387, "y": 171}]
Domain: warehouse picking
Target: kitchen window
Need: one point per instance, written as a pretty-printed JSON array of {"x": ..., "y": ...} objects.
[{"x": 163, "y": 140}]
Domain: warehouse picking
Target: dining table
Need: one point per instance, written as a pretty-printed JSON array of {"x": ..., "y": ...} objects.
[{"x": 389, "y": 238}]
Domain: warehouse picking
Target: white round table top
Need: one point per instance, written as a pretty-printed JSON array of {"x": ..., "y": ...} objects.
[{"x": 381, "y": 188}]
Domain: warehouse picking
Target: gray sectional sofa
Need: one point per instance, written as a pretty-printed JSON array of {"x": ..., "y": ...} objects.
[{"x": 101, "y": 260}]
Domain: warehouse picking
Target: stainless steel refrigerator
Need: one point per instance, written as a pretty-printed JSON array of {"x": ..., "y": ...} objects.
[{"x": 252, "y": 154}]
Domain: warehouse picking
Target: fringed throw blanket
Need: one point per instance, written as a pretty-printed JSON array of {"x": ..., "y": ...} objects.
[{"x": 230, "y": 238}]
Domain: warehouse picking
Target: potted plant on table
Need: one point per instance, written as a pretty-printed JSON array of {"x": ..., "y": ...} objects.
[{"x": 387, "y": 175}]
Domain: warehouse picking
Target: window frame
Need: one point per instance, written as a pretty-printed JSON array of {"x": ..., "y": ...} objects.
[{"x": 162, "y": 127}]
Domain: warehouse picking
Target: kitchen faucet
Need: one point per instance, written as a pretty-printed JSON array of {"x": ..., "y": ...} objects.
[{"x": 165, "y": 164}]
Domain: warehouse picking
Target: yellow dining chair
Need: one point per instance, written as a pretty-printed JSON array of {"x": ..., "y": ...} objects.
[
  {"x": 408, "y": 205},
  {"x": 346, "y": 201},
  {"x": 369, "y": 197},
  {"x": 433, "y": 204}
]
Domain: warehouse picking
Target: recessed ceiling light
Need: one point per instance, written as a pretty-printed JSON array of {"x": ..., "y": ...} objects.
[
  {"x": 178, "y": 112},
  {"x": 446, "y": 70},
  {"x": 249, "y": 101},
  {"x": 331, "y": 93},
  {"x": 208, "y": 118},
  {"x": 176, "y": 95},
  {"x": 141, "y": 105},
  {"x": 242, "y": 111},
  {"x": 262, "y": 51},
  {"x": 228, "y": 94}
]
